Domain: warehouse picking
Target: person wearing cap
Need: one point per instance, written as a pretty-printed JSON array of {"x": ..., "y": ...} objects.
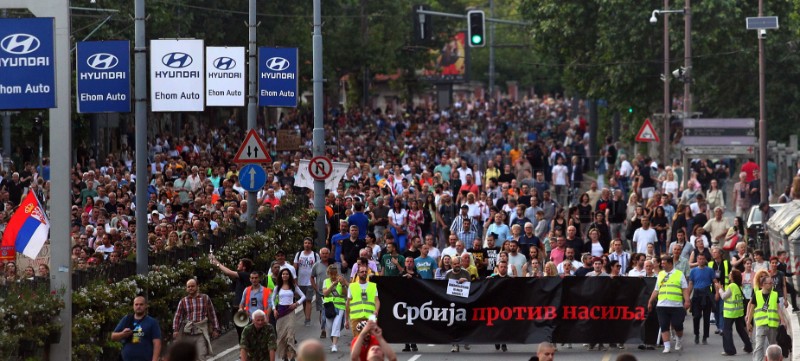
[{"x": 458, "y": 223}]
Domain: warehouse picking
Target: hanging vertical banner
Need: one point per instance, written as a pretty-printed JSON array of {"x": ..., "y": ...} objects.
[
  {"x": 27, "y": 64},
  {"x": 225, "y": 76},
  {"x": 277, "y": 77},
  {"x": 103, "y": 71},
  {"x": 176, "y": 75}
]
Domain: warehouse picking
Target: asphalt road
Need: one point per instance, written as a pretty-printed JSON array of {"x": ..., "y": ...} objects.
[{"x": 226, "y": 349}]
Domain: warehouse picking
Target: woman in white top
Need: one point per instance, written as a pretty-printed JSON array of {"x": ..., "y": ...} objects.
[
  {"x": 284, "y": 293},
  {"x": 670, "y": 185},
  {"x": 747, "y": 278},
  {"x": 398, "y": 218},
  {"x": 714, "y": 196},
  {"x": 593, "y": 246}
]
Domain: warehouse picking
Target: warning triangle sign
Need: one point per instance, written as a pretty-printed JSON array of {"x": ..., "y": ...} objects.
[
  {"x": 647, "y": 133},
  {"x": 252, "y": 150}
]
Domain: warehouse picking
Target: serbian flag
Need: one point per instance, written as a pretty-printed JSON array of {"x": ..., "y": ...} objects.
[{"x": 28, "y": 228}]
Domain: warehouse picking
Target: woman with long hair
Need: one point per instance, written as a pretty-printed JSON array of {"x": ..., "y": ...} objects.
[
  {"x": 503, "y": 257},
  {"x": 714, "y": 196},
  {"x": 559, "y": 222},
  {"x": 415, "y": 219},
  {"x": 585, "y": 209},
  {"x": 398, "y": 220},
  {"x": 429, "y": 208},
  {"x": 733, "y": 312},
  {"x": 550, "y": 269},
  {"x": 660, "y": 223},
  {"x": 444, "y": 266},
  {"x": 284, "y": 293},
  {"x": 679, "y": 222},
  {"x": 334, "y": 290}
]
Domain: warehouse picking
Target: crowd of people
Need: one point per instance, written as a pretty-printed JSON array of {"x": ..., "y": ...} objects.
[{"x": 476, "y": 191}]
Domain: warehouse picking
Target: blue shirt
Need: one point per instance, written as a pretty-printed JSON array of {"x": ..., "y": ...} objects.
[
  {"x": 426, "y": 267},
  {"x": 702, "y": 278},
  {"x": 146, "y": 330},
  {"x": 337, "y": 245},
  {"x": 360, "y": 220}
]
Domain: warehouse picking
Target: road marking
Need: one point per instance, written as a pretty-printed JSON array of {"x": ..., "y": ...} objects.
[
  {"x": 414, "y": 358},
  {"x": 223, "y": 353}
]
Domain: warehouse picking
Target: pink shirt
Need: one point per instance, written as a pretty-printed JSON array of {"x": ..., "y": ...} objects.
[{"x": 557, "y": 255}]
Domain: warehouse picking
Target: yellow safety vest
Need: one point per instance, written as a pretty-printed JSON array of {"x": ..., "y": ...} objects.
[
  {"x": 670, "y": 289},
  {"x": 335, "y": 296},
  {"x": 362, "y": 306},
  {"x": 733, "y": 307},
  {"x": 726, "y": 268},
  {"x": 769, "y": 317}
]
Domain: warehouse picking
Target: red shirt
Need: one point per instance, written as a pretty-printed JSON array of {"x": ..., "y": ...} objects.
[
  {"x": 748, "y": 168},
  {"x": 365, "y": 346}
]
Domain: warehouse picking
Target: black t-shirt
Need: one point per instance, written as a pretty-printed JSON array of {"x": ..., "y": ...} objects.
[
  {"x": 479, "y": 255},
  {"x": 647, "y": 181},
  {"x": 412, "y": 254},
  {"x": 242, "y": 281},
  {"x": 755, "y": 197},
  {"x": 493, "y": 255}
]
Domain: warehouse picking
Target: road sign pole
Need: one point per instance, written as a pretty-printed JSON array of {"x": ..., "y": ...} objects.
[
  {"x": 252, "y": 108},
  {"x": 319, "y": 132},
  {"x": 762, "y": 119}
]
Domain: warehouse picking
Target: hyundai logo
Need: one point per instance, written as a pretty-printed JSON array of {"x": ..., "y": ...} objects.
[
  {"x": 102, "y": 61},
  {"x": 224, "y": 63},
  {"x": 177, "y": 60},
  {"x": 277, "y": 64},
  {"x": 20, "y": 44}
]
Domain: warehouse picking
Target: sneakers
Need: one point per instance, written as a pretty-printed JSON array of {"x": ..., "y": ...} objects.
[
  {"x": 334, "y": 349},
  {"x": 323, "y": 334},
  {"x": 504, "y": 347},
  {"x": 705, "y": 341},
  {"x": 414, "y": 347},
  {"x": 407, "y": 348},
  {"x": 727, "y": 354},
  {"x": 666, "y": 350},
  {"x": 696, "y": 339},
  {"x": 454, "y": 349},
  {"x": 308, "y": 323},
  {"x": 677, "y": 344}
]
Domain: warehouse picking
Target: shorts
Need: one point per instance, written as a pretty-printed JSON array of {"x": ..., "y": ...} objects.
[
  {"x": 671, "y": 316},
  {"x": 647, "y": 193},
  {"x": 318, "y": 301},
  {"x": 308, "y": 291}
]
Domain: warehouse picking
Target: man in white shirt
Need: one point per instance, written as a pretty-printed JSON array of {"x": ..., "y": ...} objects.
[
  {"x": 450, "y": 250},
  {"x": 638, "y": 266},
  {"x": 625, "y": 171},
  {"x": 643, "y": 236},
  {"x": 516, "y": 259},
  {"x": 560, "y": 180}
]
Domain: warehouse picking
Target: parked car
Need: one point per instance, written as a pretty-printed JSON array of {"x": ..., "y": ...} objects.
[{"x": 755, "y": 226}]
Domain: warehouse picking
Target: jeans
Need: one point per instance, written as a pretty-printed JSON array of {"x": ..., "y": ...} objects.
[
  {"x": 727, "y": 336},
  {"x": 400, "y": 240},
  {"x": 720, "y": 320},
  {"x": 764, "y": 336}
]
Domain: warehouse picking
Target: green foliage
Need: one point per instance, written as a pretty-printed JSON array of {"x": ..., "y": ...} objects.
[
  {"x": 608, "y": 49},
  {"x": 99, "y": 307},
  {"x": 23, "y": 306}
]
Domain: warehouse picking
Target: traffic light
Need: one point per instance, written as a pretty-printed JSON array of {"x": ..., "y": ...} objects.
[{"x": 476, "y": 21}]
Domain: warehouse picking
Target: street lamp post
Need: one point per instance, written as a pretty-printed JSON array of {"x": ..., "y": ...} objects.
[{"x": 665, "y": 77}]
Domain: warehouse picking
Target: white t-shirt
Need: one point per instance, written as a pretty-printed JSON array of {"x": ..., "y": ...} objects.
[
  {"x": 434, "y": 253},
  {"x": 304, "y": 264},
  {"x": 637, "y": 273},
  {"x": 517, "y": 261},
  {"x": 642, "y": 237},
  {"x": 399, "y": 218},
  {"x": 449, "y": 251},
  {"x": 560, "y": 175}
]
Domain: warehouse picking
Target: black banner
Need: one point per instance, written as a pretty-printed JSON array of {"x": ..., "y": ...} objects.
[{"x": 515, "y": 310}]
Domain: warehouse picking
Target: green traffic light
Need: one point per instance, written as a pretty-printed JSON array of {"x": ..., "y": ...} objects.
[
  {"x": 630, "y": 110},
  {"x": 476, "y": 39}
]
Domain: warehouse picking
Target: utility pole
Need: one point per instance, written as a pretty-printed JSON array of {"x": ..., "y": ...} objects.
[
  {"x": 319, "y": 130},
  {"x": 491, "y": 49},
  {"x": 140, "y": 107},
  {"x": 688, "y": 75},
  {"x": 762, "y": 113},
  {"x": 252, "y": 107},
  {"x": 665, "y": 136},
  {"x": 6, "y": 130}
]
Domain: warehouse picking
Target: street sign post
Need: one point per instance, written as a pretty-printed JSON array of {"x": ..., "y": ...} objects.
[
  {"x": 719, "y": 132},
  {"x": 320, "y": 168},
  {"x": 252, "y": 150},
  {"x": 647, "y": 133},
  {"x": 252, "y": 177},
  {"x": 762, "y": 22},
  {"x": 719, "y": 150}
]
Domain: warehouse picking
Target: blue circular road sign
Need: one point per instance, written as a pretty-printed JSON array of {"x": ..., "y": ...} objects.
[{"x": 252, "y": 177}]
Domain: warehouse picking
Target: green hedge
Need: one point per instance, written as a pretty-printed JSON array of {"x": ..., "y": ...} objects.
[{"x": 99, "y": 307}]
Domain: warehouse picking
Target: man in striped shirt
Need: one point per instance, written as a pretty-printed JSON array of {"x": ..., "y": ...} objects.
[{"x": 194, "y": 318}]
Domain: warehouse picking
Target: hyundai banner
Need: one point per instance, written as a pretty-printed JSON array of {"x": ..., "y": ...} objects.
[
  {"x": 515, "y": 310},
  {"x": 277, "y": 77},
  {"x": 27, "y": 64},
  {"x": 176, "y": 75},
  {"x": 103, "y": 72},
  {"x": 225, "y": 76}
]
